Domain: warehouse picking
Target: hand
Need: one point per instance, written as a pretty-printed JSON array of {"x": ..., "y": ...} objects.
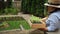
[{"x": 44, "y": 19}]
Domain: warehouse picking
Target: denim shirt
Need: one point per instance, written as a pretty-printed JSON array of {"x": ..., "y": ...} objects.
[{"x": 53, "y": 21}]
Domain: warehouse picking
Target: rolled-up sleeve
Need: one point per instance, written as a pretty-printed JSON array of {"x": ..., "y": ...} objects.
[{"x": 53, "y": 23}]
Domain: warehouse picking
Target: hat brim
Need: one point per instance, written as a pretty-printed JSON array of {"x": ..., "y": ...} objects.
[{"x": 57, "y": 6}]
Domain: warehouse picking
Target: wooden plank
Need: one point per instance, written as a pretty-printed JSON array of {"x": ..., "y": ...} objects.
[{"x": 10, "y": 16}]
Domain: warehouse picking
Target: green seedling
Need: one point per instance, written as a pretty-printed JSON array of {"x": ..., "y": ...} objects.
[{"x": 35, "y": 19}]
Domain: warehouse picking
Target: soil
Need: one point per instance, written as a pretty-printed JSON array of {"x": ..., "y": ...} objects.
[
  {"x": 37, "y": 32},
  {"x": 35, "y": 22}
]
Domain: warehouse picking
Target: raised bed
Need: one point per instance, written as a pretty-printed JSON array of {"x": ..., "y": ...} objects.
[{"x": 12, "y": 22}]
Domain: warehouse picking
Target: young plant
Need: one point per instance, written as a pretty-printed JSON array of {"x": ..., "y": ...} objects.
[{"x": 35, "y": 19}]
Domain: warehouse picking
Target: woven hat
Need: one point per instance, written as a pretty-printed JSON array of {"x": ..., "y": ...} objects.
[{"x": 53, "y": 3}]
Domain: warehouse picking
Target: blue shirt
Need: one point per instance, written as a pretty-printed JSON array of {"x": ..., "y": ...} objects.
[{"x": 53, "y": 21}]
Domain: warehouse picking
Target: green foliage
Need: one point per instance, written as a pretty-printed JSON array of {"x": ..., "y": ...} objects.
[
  {"x": 11, "y": 11},
  {"x": 8, "y": 11},
  {"x": 16, "y": 24},
  {"x": 35, "y": 7},
  {"x": 35, "y": 19},
  {"x": 4, "y": 4},
  {"x": 2, "y": 24},
  {"x": 7, "y": 8}
]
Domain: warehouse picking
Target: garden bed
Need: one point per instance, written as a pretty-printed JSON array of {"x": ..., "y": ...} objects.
[{"x": 13, "y": 23}]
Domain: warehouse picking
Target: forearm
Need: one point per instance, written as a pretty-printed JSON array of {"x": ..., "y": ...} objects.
[{"x": 44, "y": 19}]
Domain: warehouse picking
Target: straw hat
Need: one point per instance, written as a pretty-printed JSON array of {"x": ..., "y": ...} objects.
[{"x": 53, "y": 3}]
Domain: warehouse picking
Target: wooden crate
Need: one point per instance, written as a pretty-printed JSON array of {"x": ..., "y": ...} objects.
[{"x": 37, "y": 25}]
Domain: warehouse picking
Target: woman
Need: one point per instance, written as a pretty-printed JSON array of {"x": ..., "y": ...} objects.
[{"x": 53, "y": 20}]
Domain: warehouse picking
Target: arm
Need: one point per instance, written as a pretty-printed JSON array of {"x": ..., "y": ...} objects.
[
  {"x": 44, "y": 19},
  {"x": 53, "y": 23}
]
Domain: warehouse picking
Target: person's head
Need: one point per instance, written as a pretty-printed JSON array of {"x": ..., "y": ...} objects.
[
  {"x": 52, "y": 5},
  {"x": 50, "y": 9}
]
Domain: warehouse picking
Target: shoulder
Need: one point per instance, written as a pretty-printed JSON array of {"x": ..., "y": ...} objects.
[{"x": 55, "y": 14}]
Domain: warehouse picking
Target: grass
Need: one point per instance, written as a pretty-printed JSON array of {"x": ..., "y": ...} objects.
[{"x": 16, "y": 24}]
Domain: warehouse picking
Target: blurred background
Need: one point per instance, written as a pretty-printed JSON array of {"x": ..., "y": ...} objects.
[
  {"x": 19, "y": 14},
  {"x": 34, "y": 7}
]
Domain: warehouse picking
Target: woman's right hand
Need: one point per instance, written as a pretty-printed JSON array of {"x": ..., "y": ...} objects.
[{"x": 44, "y": 19}]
